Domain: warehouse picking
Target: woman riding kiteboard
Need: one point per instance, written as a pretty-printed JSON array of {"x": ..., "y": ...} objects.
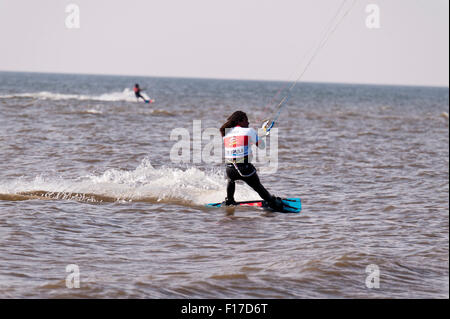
[{"x": 237, "y": 138}]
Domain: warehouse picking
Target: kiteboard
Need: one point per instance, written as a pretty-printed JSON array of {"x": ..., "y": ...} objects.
[
  {"x": 148, "y": 100},
  {"x": 290, "y": 205}
]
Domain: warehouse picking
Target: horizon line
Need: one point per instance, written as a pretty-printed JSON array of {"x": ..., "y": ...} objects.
[{"x": 228, "y": 79}]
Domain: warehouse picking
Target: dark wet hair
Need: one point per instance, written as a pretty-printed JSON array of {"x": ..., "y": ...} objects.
[
  {"x": 233, "y": 120},
  {"x": 136, "y": 84}
]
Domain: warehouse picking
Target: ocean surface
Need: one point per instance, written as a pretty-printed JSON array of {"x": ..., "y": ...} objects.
[{"x": 90, "y": 192}]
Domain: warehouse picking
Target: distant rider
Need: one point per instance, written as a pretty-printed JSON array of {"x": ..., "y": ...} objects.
[{"x": 137, "y": 91}]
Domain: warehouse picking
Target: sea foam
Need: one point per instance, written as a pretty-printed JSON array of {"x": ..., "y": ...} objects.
[
  {"x": 126, "y": 95},
  {"x": 189, "y": 185}
]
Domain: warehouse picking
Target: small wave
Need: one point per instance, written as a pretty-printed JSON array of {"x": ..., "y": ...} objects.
[
  {"x": 230, "y": 276},
  {"x": 162, "y": 112},
  {"x": 92, "y": 198},
  {"x": 53, "y": 285},
  {"x": 158, "y": 112},
  {"x": 126, "y": 95},
  {"x": 389, "y": 208},
  {"x": 46, "y": 195},
  {"x": 16, "y": 197},
  {"x": 190, "y": 186},
  {"x": 92, "y": 111}
]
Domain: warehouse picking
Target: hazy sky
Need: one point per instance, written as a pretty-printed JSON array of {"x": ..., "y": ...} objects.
[{"x": 239, "y": 39}]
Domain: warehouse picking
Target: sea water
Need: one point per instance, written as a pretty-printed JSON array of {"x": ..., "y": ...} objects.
[{"x": 88, "y": 183}]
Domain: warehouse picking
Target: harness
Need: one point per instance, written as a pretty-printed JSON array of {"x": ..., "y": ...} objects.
[{"x": 233, "y": 162}]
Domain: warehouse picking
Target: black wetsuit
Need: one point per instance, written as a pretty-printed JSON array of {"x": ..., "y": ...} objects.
[
  {"x": 138, "y": 95},
  {"x": 137, "y": 92},
  {"x": 247, "y": 173}
]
